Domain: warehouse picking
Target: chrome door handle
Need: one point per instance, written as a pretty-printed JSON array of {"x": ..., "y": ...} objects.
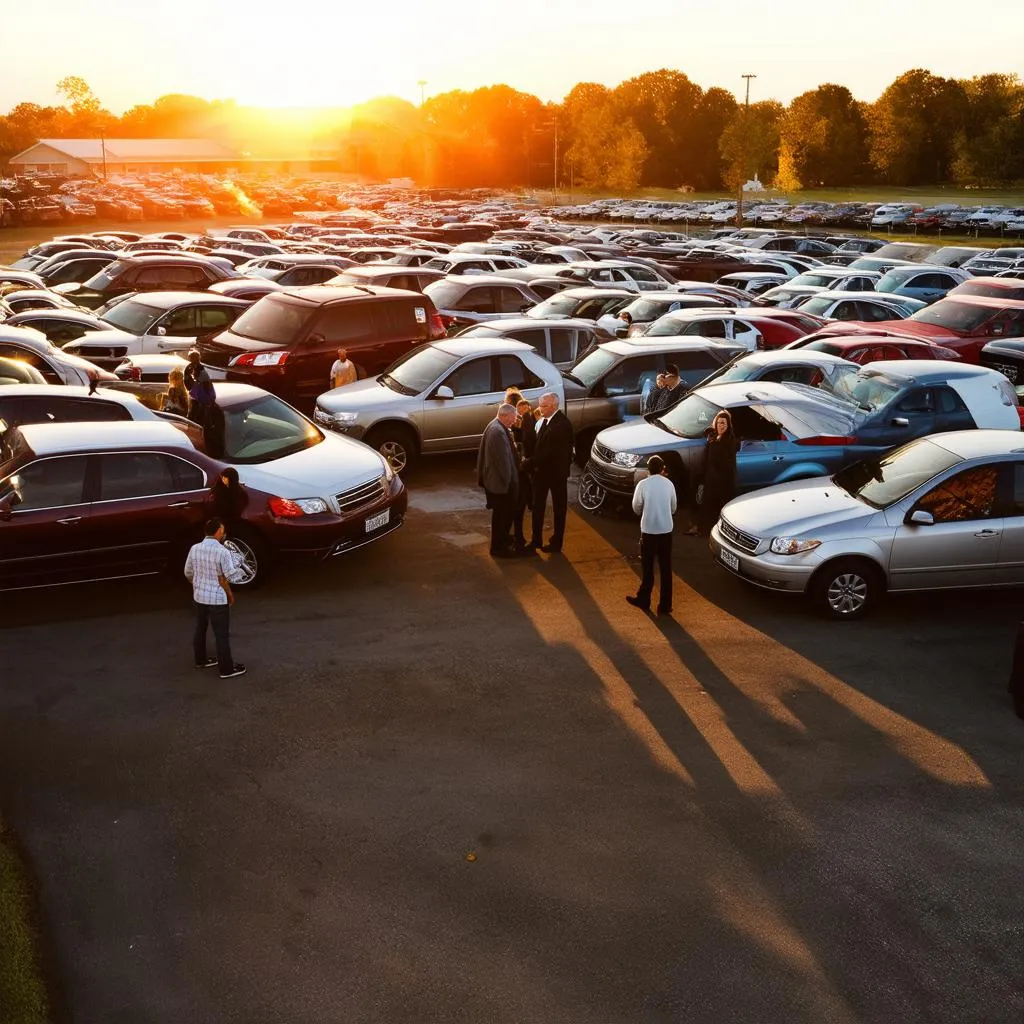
[
  {"x": 777, "y": 458},
  {"x": 70, "y": 521},
  {"x": 180, "y": 504},
  {"x": 987, "y": 533}
]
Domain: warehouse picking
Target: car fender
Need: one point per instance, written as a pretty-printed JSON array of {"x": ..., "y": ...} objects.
[
  {"x": 857, "y": 547},
  {"x": 803, "y": 471},
  {"x": 404, "y": 422}
]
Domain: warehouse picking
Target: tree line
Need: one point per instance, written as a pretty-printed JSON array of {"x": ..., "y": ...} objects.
[{"x": 658, "y": 129}]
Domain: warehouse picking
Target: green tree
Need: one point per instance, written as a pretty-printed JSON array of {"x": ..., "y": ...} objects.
[
  {"x": 749, "y": 144},
  {"x": 706, "y": 165},
  {"x": 607, "y": 151},
  {"x": 913, "y": 125},
  {"x": 823, "y": 138},
  {"x": 989, "y": 147}
]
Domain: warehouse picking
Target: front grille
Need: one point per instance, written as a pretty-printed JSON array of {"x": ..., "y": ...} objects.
[
  {"x": 360, "y": 497},
  {"x": 740, "y": 539},
  {"x": 609, "y": 479},
  {"x": 1008, "y": 371},
  {"x": 603, "y": 453}
]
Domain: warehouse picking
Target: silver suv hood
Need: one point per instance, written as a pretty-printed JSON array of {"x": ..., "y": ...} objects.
[
  {"x": 361, "y": 396},
  {"x": 795, "y": 509}
]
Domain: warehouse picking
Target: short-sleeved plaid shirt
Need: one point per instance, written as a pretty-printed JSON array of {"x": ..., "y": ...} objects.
[{"x": 206, "y": 562}]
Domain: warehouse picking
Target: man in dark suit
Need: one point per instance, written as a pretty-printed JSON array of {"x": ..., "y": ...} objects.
[
  {"x": 550, "y": 465},
  {"x": 524, "y": 433},
  {"x": 498, "y": 474}
]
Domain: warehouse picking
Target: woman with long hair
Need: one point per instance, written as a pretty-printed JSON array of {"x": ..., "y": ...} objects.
[
  {"x": 176, "y": 396},
  {"x": 229, "y": 497},
  {"x": 719, "y": 470}
]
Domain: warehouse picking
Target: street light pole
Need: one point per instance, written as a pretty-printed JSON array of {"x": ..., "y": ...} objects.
[
  {"x": 103, "y": 151},
  {"x": 422, "y": 83},
  {"x": 746, "y": 144}
]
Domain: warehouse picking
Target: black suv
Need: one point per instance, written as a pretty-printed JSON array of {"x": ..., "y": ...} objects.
[
  {"x": 287, "y": 341},
  {"x": 157, "y": 273}
]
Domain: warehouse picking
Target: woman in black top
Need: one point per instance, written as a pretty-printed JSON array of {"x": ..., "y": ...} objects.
[
  {"x": 229, "y": 497},
  {"x": 719, "y": 470}
]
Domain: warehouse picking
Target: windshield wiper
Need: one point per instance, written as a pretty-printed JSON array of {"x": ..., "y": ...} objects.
[
  {"x": 664, "y": 426},
  {"x": 388, "y": 381}
]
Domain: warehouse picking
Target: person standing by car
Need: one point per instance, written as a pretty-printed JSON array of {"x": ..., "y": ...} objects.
[
  {"x": 229, "y": 497},
  {"x": 209, "y": 569},
  {"x": 176, "y": 397},
  {"x": 654, "y": 500},
  {"x": 667, "y": 390},
  {"x": 498, "y": 474},
  {"x": 343, "y": 370},
  {"x": 550, "y": 465},
  {"x": 202, "y": 407},
  {"x": 525, "y": 436},
  {"x": 719, "y": 471}
]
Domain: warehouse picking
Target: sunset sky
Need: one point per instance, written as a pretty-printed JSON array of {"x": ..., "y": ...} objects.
[{"x": 332, "y": 53}]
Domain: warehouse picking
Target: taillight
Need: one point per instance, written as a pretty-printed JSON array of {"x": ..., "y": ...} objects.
[
  {"x": 438, "y": 327},
  {"x": 825, "y": 440},
  {"x": 260, "y": 359}
]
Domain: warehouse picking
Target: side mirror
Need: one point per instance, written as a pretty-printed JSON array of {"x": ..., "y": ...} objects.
[
  {"x": 901, "y": 421},
  {"x": 444, "y": 392},
  {"x": 919, "y": 517},
  {"x": 160, "y": 332}
]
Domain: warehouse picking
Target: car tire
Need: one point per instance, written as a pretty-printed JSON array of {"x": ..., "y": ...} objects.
[
  {"x": 250, "y": 555},
  {"x": 590, "y": 495},
  {"x": 395, "y": 444},
  {"x": 845, "y": 589}
]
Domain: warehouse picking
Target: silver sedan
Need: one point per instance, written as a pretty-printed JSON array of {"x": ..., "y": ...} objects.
[{"x": 943, "y": 512}]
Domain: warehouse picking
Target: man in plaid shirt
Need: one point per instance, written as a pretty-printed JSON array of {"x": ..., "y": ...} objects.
[{"x": 209, "y": 567}]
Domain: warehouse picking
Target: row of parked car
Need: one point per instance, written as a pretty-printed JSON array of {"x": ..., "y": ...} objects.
[{"x": 541, "y": 310}]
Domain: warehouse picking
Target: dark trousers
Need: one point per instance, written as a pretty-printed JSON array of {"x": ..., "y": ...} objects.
[
  {"x": 558, "y": 487},
  {"x": 656, "y": 546},
  {"x": 524, "y": 501},
  {"x": 219, "y": 617},
  {"x": 503, "y": 511},
  {"x": 1017, "y": 673}
]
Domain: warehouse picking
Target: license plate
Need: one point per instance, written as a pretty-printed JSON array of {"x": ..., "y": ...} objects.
[
  {"x": 729, "y": 559},
  {"x": 377, "y": 521}
]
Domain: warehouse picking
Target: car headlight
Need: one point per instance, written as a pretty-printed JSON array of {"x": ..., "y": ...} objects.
[
  {"x": 793, "y": 545},
  {"x": 344, "y": 418},
  {"x": 389, "y": 473},
  {"x": 289, "y": 508},
  {"x": 627, "y": 459}
]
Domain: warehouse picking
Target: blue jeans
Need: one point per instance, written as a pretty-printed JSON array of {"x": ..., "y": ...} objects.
[{"x": 218, "y": 616}]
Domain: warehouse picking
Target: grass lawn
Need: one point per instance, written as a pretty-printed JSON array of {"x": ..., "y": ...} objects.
[{"x": 23, "y": 997}]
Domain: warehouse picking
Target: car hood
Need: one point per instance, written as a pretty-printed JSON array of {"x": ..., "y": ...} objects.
[
  {"x": 113, "y": 336},
  {"x": 360, "y": 395},
  {"x": 334, "y": 465},
  {"x": 795, "y": 509},
  {"x": 642, "y": 437}
]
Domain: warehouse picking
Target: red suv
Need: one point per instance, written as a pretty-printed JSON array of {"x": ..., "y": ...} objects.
[{"x": 286, "y": 342}]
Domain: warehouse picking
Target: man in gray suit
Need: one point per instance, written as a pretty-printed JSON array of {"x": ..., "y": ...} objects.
[{"x": 498, "y": 475}]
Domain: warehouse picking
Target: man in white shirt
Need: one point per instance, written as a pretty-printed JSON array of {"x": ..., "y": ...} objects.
[
  {"x": 654, "y": 500},
  {"x": 343, "y": 370},
  {"x": 612, "y": 323},
  {"x": 209, "y": 567}
]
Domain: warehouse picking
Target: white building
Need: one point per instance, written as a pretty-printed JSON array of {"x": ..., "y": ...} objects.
[{"x": 91, "y": 157}]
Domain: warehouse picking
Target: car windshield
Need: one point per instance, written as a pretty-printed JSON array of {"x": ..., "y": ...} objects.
[
  {"x": 957, "y": 316},
  {"x": 273, "y": 319},
  {"x": 869, "y": 391},
  {"x": 264, "y": 430},
  {"x": 415, "y": 372},
  {"x": 666, "y": 327},
  {"x": 445, "y": 294},
  {"x": 135, "y": 317},
  {"x": 817, "y": 306},
  {"x": 812, "y": 281},
  {"x": 650, "y": 309},
  {"x": 741, "y": 370},
  {"x": 590, "y": 367},
  {"x": 891, "y": 282},
  {"x": 690, "y": 417},
  {"x": 106, "y": 275},
  {"x": 556, "y": 306},
  {"x": 882, "y": 482}
]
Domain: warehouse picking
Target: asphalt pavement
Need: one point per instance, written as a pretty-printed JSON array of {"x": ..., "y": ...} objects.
[{"x": 454, "y": 789}]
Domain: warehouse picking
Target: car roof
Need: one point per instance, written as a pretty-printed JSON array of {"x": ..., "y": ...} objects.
[
  {"x": 64, "y": 313},
  {"x": 860, "y": 340},
  {"x": 165, "y": 257},
  {"x": 640, "y": 345},
  {"x": 168, "y": 300},
  {"x": 520, "y": 323},
  {"x": 770, "y": 357},
  {"x": 973, "y": 444},
  {"x": 390, "y": 270},
  {"x": 991, "y": 301},
  {"x": 926, "y": 371},
  {"x": 748, "y": 392},
  {"x": 72, "y": 391},
  {"x": 322, "y": 294},
  {"x": 468, "y": 279},
  {"x": 480, "y": 346},
  {"x": 596, "y": 293},
  {"x": 62, "y": 438}
]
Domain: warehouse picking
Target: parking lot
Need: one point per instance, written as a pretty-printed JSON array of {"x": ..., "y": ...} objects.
[{"x": 453, "y": 789}]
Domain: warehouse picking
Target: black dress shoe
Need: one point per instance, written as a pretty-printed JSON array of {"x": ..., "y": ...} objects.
[
  {"x": 664, "y": 611},
  {"x": 550, "y": 549},
  {"x": 637, "y": 603}
]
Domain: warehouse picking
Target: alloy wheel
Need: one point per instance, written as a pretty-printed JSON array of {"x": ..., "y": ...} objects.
[{"x": 847, "y": 594}]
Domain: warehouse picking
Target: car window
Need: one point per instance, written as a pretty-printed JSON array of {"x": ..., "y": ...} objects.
[
  {"x": 750, "y": 425},
  {"x": 48, "y": 483},
  {"x": 186, "y": 476},
  {"x": 472, "y": 378},
  {"x": 563, "y": 345},
  {"x": 920, "y": 400},
  {"x": 794, "y": 375},
  {"x": 478, "y": 300},
  {"x": 949, "y": 401},
  {"x": 135, "y": 475},
  {"x": 58, "y": 409},
  {"x": 347, "y": 321},
  {"x": 966, "y": 496},
  {"x": 509, "y": 300},
  {"x": 711, "y": 328},
  {"x": 33, "y": 359},
  {"x": 213, "y": 318},
  {"x": 535, "y": 338},
  {"x": 629, "y": 377},
  {"x": 180, "y": 323},
  {"x": 512, "y": 373}
]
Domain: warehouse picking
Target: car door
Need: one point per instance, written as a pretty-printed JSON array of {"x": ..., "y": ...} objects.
[
  {"x": 452, "y": 424},
  {"x": 563, "y": 346},
  {"x": 1011, "y": 546},
  {"x": 620, "y": 392},
  {"x": 763, "y": 451},
  {"x": 44, "y": 538},
  {"x": 744, "y": 333},
  {"x": 961, "y": 547},
  {"x": 145, "y": 510},
  {"x": 175, "y": 331},
  {"x": 346, "y": 324},
  {"x": 909, "y": 416}
]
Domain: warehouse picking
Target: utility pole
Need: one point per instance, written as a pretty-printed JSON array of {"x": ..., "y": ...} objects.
[
  {"x": 555, "y": 123},
  {"x": 746, "y": 144},
  {"x": 103, "y": 151},
  {"x": 422, "y": 83}
]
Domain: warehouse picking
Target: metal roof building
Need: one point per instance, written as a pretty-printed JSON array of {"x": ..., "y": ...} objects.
[{"x": 83, "y": 157}]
